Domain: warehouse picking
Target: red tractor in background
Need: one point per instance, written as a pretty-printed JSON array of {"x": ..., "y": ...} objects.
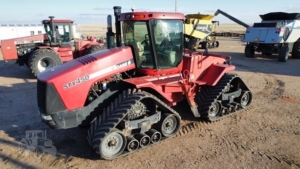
[
  {"x": 59, "y": 44},
  {"x": 127, "y": 93}
]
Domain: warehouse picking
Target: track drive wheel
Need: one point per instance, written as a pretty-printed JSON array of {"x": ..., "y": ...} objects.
[
  {"x": 296, "y": 50},
  {"x": 93, "y": 49},
  {"x": 283, "y": 54},
  {"x": 43, "y": 59},
  {"x": 112, "y": 144},
  {"x": 249, "y": 51},
  {"x": 169, "y": 125}
]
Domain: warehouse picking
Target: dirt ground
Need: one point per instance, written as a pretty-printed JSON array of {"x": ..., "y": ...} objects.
[{"x": 266, "y": 135}]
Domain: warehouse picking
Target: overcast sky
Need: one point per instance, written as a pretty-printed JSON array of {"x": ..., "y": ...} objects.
[{"x": 96, "y": 11}]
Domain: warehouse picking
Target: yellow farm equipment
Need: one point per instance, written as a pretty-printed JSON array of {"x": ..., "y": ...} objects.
[{"x": 198, "y": 28}]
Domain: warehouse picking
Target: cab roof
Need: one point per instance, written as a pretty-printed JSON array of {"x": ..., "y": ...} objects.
[
  {"x": 144, "y": 16},
  {"x": 58, "y": 21}
]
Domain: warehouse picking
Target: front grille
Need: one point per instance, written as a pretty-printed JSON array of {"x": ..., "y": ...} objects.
[
  {"x": 41, "y": 95},
  {"x": 49, "y": 101}
]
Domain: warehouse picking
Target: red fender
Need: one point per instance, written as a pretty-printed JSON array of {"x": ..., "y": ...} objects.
[{"x": 214, "y": 73}]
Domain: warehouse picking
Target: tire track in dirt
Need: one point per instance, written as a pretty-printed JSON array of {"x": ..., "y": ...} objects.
[
  {"x": 269, "y": 156},
  {"x": 220, "y": 146}
]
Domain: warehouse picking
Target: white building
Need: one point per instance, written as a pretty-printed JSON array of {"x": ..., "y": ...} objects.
[{"x": 9, "y": 31}]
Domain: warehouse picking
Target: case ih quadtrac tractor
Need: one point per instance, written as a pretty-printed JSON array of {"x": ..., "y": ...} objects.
[
  {"x": 127, "y": 93},
  {"x": 277, "y": 33},
  {"x": 40, "y": 52}
]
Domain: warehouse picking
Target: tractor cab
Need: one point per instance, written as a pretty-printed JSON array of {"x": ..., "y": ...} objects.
[
  {"x": 156, "y": 40},
  {"x": 59, "y": 32}
]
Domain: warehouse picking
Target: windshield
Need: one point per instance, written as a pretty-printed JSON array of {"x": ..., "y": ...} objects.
[
  {"x": 62, "y": 32},
  {"x": 135, "y": 34},
  {"x": 168, "y": 39}
]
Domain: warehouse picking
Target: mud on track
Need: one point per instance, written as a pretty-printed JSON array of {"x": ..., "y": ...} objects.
[{"x": 266, "y": 135}]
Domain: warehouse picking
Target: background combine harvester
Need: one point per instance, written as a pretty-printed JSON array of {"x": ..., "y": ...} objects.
[
  {"x": 128, "y": 93},
  {"x": 198, "y": 30},
  {"x": 59, "y": 44}
]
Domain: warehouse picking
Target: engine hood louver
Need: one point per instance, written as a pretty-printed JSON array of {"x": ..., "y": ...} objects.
[{"x": 86, "y": 59}]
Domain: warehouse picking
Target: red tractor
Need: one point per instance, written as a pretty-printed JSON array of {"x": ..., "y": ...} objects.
[
  {"x": 59, "y": 44},
  {"x": 127, "y": 93}
]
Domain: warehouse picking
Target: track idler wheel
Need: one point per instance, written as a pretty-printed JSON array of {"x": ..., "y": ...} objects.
[
  {"x": 112, "y": 145},
  {"x": 215, "y": 109},
  {"x": 132, "y": 144},
  {"x": 144, "y": 139},
  {"x": 245, "y": 99},
  {"x": 154, "y": 135},
  {"x": 169, "y": 125}
]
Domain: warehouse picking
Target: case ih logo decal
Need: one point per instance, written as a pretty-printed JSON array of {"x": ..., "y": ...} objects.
[
  {"x": 122, "y": 64},
  {"x": 111, "y": 68},
  {"x": 76, "y": 82}
]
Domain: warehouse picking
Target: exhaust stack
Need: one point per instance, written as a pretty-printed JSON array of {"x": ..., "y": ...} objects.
[
  {"x": 52, "y": 29},
  {"x": 117, "y": 12}
]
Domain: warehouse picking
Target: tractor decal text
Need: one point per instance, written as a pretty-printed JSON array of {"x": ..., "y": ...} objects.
[
  {"x": 122, "y": 64},
  {"x": 112, "y": 68},
  {"x": 76, "y": 82}
]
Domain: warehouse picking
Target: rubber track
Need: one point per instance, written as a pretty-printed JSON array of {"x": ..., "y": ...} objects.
[
  {"x": 209, "y": 95},
  {"x": 108, "y": 120}
]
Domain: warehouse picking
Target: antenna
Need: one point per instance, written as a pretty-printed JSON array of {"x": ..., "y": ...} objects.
[{"x": 175, "y": 5}]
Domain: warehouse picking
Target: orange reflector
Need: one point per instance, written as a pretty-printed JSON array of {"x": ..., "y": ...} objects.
[{"x": 138, "y": 16}]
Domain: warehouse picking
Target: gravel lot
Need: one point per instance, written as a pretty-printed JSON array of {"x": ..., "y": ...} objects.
[{"x": 266, "y": 135}]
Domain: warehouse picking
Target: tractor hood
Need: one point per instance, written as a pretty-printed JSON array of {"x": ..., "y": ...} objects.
[
  {"x": 82, "y": 73},
  {"x": 9, "y": 48}
]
